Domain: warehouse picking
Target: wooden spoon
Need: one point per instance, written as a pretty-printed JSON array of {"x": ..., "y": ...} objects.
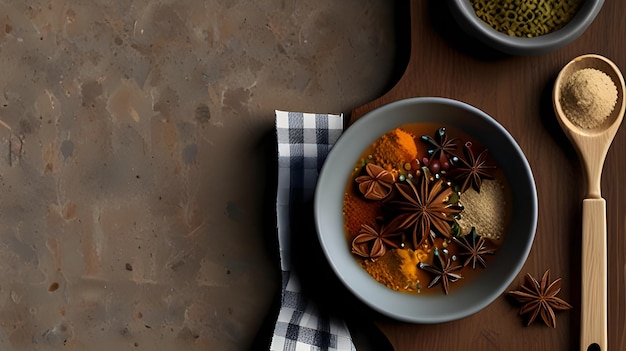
[{"x": 592, "y": 146}]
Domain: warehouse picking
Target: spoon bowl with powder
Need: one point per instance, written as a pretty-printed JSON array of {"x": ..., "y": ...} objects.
[{"x": 588, "y": 99}]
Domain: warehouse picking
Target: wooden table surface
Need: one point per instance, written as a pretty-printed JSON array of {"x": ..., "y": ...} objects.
[{"x": 516, "y": 91}]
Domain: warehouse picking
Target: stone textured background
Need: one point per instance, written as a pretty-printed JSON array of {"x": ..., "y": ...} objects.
[{"x": 134, "y": 171}]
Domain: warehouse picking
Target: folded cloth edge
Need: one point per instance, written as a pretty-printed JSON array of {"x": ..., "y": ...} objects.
[{"x": 304, "y": 140}]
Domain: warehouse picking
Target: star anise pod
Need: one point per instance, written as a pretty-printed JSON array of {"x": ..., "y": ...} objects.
[
  {"x": 442, "y": 147},
  {"x": 373, "y": 242},
  {"x": 443, "y": 269},
  {"x": 472, "y": 170},
  {"x": 377, "y": 184},
  {"x": 424, "y": 208},
  {"x": 474, "y": 247},
  {"x": 540, "y": 299}
]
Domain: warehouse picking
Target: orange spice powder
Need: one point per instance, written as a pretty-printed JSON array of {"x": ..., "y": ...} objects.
[
  {"x": 396, "y": 269},
  {"x": 358, "y": 211},
  {"x": 394, "y": 149}
]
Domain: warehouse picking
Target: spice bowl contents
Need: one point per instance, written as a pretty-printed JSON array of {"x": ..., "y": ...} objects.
[
  {"x": 425, "y": 206},
  {"x": 426, "y": 209},
  {"x": 528, "y": 18},
  {"x": 525, "y": 27}
]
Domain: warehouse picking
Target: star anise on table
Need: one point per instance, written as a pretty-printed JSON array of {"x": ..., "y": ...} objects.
[
  {"x": 539, "y": 298},
  {"x": 377, "y": 183},
  {"x": 373, "y": 242},
  {"x": 443, "y": 269},
  {"x": 425, "y": 207},
  {"x": 475, "y": 247},
  {"x": 472, "y": 169},
  {"x": 442, "y": 147}
]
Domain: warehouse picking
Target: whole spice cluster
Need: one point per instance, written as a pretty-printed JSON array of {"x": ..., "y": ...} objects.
[
  {"x": 539, "y": 299},
  {"x": 405, "y": 219}
]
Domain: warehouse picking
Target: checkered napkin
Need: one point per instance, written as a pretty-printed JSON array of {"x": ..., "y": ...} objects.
[{"x": 304, "y": 140}]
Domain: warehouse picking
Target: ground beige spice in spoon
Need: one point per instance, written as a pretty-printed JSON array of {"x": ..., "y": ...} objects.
[{"x": 588, "y": 97}]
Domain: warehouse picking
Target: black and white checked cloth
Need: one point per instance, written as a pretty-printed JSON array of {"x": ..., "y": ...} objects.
[{"x": 304, "y": 140}]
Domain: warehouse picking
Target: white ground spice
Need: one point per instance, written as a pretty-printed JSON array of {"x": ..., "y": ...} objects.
[
  {"x": 588, "y": 97},
  {"x": 486, "y": 211}
]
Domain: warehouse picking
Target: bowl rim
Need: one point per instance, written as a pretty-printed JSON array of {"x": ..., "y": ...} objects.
[
  {"x": 466, "y": 16},
  {"x": 352, "y": 275}
]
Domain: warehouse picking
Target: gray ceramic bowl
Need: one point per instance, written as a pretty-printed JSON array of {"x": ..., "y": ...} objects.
[
  {"x": 472, "y": 296},
  {"x": 465, "y": 15}
]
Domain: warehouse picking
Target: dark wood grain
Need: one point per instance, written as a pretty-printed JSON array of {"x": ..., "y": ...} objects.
[{"x": 516, "y": 91}]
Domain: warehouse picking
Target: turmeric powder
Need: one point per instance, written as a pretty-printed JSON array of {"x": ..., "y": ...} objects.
[
  {"x": 395, "y": 148},
  {"x": 396, "y": 269}
]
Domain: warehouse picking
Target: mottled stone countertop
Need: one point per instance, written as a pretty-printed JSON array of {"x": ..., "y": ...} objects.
[{"x": 134, "y": 140}]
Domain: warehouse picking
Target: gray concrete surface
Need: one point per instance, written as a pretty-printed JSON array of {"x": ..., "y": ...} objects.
[{"x": 133, "y": 160}]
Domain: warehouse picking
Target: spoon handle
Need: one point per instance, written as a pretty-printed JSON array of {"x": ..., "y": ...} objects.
[{"x": 593, "y": 315}]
